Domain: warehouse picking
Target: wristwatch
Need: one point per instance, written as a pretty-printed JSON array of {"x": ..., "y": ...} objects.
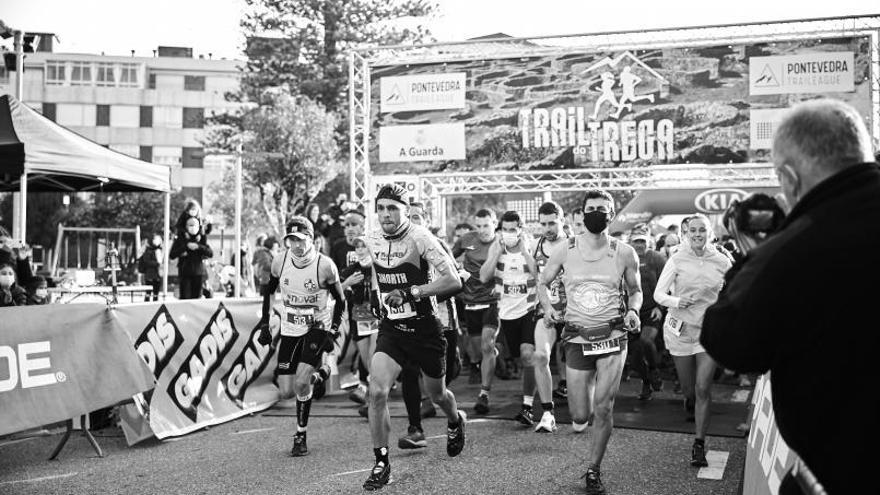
[{"x": 416, "y": 292}]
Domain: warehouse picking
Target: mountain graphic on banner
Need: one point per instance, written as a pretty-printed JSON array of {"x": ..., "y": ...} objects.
[
  {"x": 394, "y": 98},
  {"x": 767, "y": 78}
]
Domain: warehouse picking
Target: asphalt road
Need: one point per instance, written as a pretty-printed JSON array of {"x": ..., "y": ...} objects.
[{"x": 250, "y": 455}]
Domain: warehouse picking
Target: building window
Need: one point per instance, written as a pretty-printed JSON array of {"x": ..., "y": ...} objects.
[
  {"x": 104, "y": 75},
  {"x": 49, "y": 111},
  {"x": 4, "y": 75},
  {"x": 193, "y": 157},
  {"x": 166, "y": 155},
  {"x": 80, "y": 74},
  {"x": 152, "y": 81},
  {"x": 192, "y": 192},
  {"x": 128, "y": 76},
  {"x": 193, "y": 118},
  {"x": 102, "y": 117},
  {"x": 194, "y": 83},
  {"x": 168, "y": 117},
  {"x": 146, "y": 153},
  {"x": 55, "y": 73},
  {"x": 75, "y": 114},
  {"x": 146, "y": 116}
]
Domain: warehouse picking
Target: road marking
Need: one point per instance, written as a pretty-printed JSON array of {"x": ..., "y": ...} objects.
[
  {"x": 715, "y": 470},
  {"x": 741, "y": 395},
  {"x": 44, "y": 478},
  {"x": 352, "y": 472},
  {"x": 435, "y": 436},
  {"x": 242, "y": 432},
  {"x": 19, "y": 440}
]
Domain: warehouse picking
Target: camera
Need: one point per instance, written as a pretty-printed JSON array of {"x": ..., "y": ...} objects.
[{"x": 753, "y": 219}]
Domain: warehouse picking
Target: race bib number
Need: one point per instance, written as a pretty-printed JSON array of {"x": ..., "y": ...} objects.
[
  {"x": 673, "y": 325},
  {"x": 401, "y": 312},
  {"x": 514, "y": 289},
  {"x": 301, "y": 318},
  {"x": 601, "y": 347},
  {"x": 553, "y": 293},
  {"x": 365, "y": 328},
  {"x": 361, "y": 312}
]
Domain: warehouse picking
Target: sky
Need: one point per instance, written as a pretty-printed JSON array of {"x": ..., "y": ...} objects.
[{"x": 115, "y": 27}]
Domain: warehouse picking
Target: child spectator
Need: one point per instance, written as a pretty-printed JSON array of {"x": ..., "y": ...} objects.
[
  {"x": 38, "y": 291},
  {"x": 10, "y": 292}
]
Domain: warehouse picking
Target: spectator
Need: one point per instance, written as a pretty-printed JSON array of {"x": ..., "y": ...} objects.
[
  {"x": 258, "y": 246},
  {"x": 262, "y": 262},
  {"x": 796, "y": 306},
  {"x": 38, "y": 291},
  {"x": 11, "y": 294},
  {"x": 246, "y": 271},
  {"x": 192, "y": 210},
  {"x": 150, "y": 265},
  {"x": 319, "y": 222},
  {"x": 18, "y": 255},
  {"x": 694, "y": 275},
  {"x": 670, "y": 245},
  {"x": 460, "y": 230},
  {"x": 192, "y": 250}
]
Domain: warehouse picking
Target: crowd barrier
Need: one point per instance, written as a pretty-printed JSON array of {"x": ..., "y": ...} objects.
[{"x": 768, "y": 457}]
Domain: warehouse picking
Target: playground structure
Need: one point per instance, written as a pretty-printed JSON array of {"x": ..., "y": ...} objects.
[
  {"x": 86, "y": 248},
  {"x": 658, "y": 171}
]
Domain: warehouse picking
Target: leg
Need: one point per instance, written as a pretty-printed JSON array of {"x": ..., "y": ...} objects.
[
  {"x": 442, "y": 396},
  {"x": 489, "y": 352},
  {"x": 703, "y": 391},
  {"x": 384, "y": 370},
  {"x": 544, "y": 339},
  {"x": 608, "y": 371},
  {"x": 579, "y": 404},
  {"x": 685, "y": 368},
  {"x": 303, "y": 389},
  {"x": 412, "y": 395}
]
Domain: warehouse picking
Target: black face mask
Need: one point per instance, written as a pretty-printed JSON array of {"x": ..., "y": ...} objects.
[{"x": 596, "y": 221}]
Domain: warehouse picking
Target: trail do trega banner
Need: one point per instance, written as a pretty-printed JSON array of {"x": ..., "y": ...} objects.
[{"x": 581, "y": 109}]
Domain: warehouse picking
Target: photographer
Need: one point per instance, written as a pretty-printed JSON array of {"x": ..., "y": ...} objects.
[{"x": 795, "y": 305}]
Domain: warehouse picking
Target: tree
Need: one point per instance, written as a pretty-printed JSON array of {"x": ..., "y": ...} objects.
[
  {"x": 253, "y": 216},
  {"x": 289, "y": 153},
  {"x": 310, "y": 41}
]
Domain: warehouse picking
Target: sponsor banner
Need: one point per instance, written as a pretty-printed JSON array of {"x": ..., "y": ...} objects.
[
  {"x": 208, "y": 365},
  {"x": 599, "y": 108},
  {"x": 768, "y": 457},
  {"x": 61, "y": 361},
  {"x": 424, "y": 92},
  {"x": 421, "y": 143},
  {"x": 408, "y": 182},
  {"x": 819, "y": 72}
]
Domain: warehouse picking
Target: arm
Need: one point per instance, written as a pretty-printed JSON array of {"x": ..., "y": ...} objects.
[
  {"x": 664, "y": 284},
  {"x": 456, "y": 249},
  {"x": 177, "y": 248},
  {"x": 551, "y": 271},
  {"x": 633, "y": 282},
  {"x": 487, "y": 271},
  {"x": 331, "y": 281},
  {"x": 204, "y": 249},
  {"x": 447, "y": 280}
]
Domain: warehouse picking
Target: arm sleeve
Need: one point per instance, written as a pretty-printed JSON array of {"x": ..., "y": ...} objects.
[
  {"x": 204, "y": 249},
  {"x": 267, "y": 297},
  {"x": 456, "y": 249},
  {"x": 338, "y": 308},
  {"x": 177, "y": 248},
  {"x": 664, "y": 284}
]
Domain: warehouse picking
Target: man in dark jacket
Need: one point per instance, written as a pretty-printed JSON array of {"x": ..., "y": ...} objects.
[
  {"x": 797, "y": 307},
  {"x": 150, "y": 264}
]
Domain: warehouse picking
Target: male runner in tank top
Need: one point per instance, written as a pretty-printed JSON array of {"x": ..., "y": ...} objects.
[
  {"x": 307, "y": 278},
  {"x": 410, "y": 269},
  {"x": 548, "y": 331},
  {"x": 512, "y": 268},
  {"x": 595, "y": 268}
]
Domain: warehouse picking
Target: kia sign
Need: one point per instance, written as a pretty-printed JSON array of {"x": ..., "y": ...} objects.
[{"x": 717, "y": 200}]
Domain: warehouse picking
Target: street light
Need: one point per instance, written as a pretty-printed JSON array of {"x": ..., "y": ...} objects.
[{"x": 5, "y": 33}]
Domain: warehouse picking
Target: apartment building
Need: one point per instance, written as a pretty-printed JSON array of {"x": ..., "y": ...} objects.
[{"x": 153, "y": 108}]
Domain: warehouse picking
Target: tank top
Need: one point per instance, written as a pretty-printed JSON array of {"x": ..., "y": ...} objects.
[
  {"x": 515, "y": 286},
  {"x": 593, "y": 288},
  {"x": 556, "y": 291},
  {"x": 304, "y": 301}
]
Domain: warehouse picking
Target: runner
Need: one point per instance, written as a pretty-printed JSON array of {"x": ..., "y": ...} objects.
[
  {"x": 547, "y": 331},
  {"x": 418, "y": 404},
  {"x": 511, "y": 265},
  {"x": 409, "y": 333},
  {"x": 306, "y": 278},
  {"x": 577, "y": 222},
  {"x": 595, "y": 272},
  {"x": 480, "y": 302},
  {"x": 643, "y": 353}
]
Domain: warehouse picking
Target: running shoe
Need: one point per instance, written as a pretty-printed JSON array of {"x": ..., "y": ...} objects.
[
  {"x": 698, "y": 455},
  {"x": 358, "y": 395},
  {"x": 300, "y": 448},
  {"x": 379, "y": 477},
  {"x": 364, "y": 411},
  {"x": 647, "y": 392},
  {"x": 656, "y": 381},
  {"x": 547, "y": 423},
  {"x": 594, "y": 482},
  {"x": 560, "y": 392},
  {"x": 475, "y": 376},
  {"x": 482, "y": 404},
  {"x": 427, "y": 409},
  {"x": 455, "y": 436},
  {"x": 414, "y": 438},
  {"x": 525, "y": 416}
]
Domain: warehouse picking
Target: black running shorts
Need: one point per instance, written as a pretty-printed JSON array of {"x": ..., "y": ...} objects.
[
  {"x": 421, "y": 345},
  {"x": 519, "y": 331},
  {"x": 290, "y": 354},
  {"x": 477, "y": 319},
  {"x": 575, "y": 359}
]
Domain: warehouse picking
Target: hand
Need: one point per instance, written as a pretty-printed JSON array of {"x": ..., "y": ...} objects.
[
  {"x": 24, "y": 252},
  {"x": 632, "y": 321},
  {"x": 686, "y": 301},
  {"x": 656, "y": 314},
  {"x": 395, "y": 298},
  {"x": 192, "y": 246},
  {"x": 376, "y": 307},
  {"x": 354, "y": 279},
  {"x": 551, "y": 317},
  {"x": 464, "y": 275},
  {"x": 265, "y": 337}
]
